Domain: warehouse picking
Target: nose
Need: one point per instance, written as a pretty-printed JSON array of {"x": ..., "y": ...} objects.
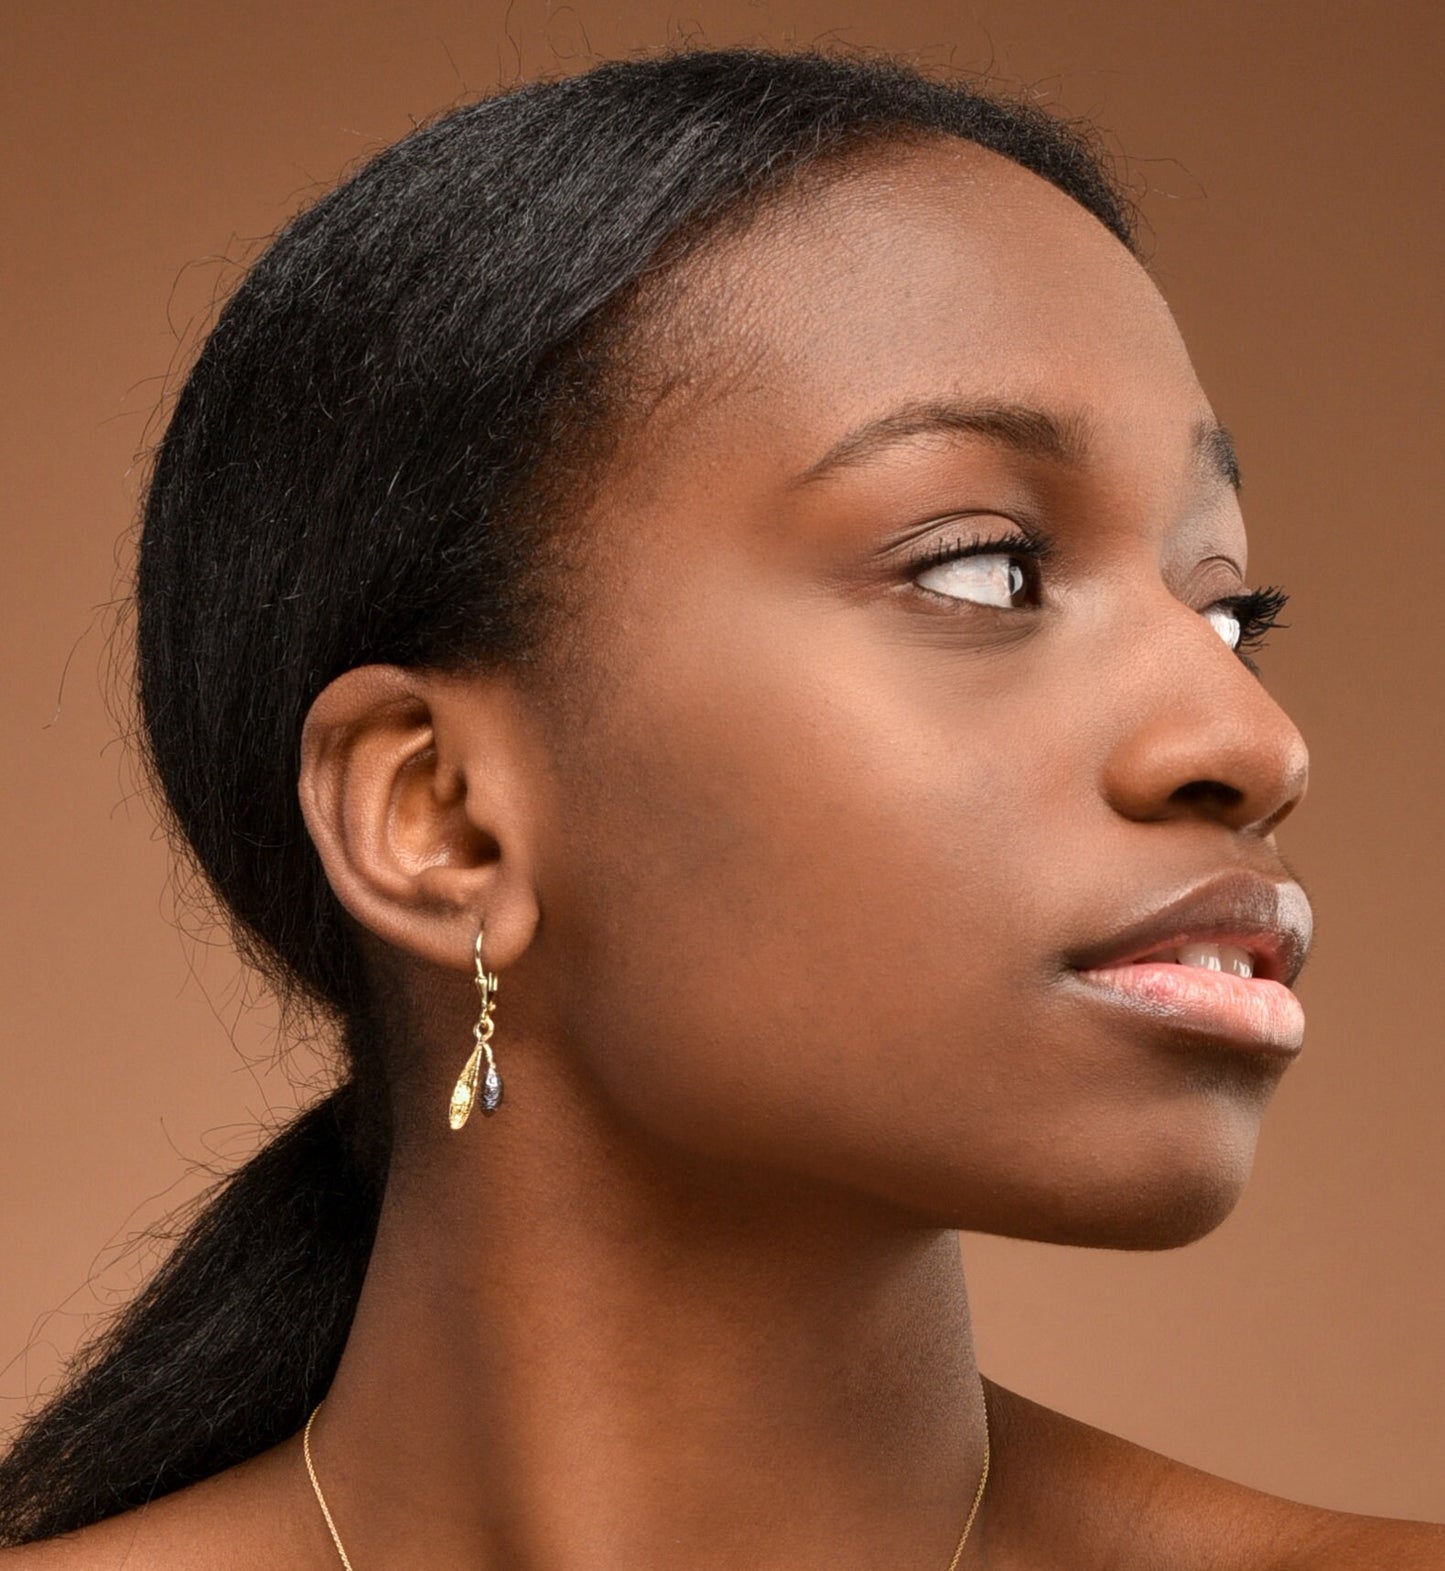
[{"x": 1203, "y": 736}]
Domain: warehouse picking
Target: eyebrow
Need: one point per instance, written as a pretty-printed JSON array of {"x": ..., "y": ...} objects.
[{"x": 1036, "y": 433}]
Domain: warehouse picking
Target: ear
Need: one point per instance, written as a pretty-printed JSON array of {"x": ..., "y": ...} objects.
[{"x": 419, "y": 790}]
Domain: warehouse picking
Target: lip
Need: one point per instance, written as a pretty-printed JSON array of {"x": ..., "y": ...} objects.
[{"x": 1269, "y": 918}]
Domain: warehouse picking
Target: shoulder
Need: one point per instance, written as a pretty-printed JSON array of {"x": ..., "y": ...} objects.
[
  {"x": 109, "y": 1545},
  {"x": 1337, "y": 1539},
  {"x": 248, "y": 1518},
  {"x": 1078, "y": 1496}
]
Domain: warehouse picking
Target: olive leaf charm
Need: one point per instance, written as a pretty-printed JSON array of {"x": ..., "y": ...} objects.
[{"x": 464, "y": 1093}]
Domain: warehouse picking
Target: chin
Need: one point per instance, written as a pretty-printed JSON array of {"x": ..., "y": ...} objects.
[
  {"x": 1162, "y": 1201},
  {"x": 1154, "y": 1221},
  {"x": 1151, "y": 1216},
  {"x": 1157, "y": 1185}
]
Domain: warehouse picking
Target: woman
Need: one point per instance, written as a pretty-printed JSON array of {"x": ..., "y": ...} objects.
[{"x": 732, "y": 546}]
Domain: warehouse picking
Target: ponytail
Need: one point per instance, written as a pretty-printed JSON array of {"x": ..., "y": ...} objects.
[{"x": 224, "y": 1352}]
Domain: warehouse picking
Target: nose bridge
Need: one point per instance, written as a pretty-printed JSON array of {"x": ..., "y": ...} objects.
[{"x": 1200, "y": 733}]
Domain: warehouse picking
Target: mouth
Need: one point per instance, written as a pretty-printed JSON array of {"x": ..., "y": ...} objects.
[{"x": 1219, "y": 961}]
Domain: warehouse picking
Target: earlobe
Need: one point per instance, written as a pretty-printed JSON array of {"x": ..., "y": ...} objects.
[{"x": 399, "y": 826}]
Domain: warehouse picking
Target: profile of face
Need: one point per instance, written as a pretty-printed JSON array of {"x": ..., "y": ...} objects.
[{"x": 911, "y": 682}]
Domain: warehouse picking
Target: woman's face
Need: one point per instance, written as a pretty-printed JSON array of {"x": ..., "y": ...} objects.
[{"x": 835, "y": 831}]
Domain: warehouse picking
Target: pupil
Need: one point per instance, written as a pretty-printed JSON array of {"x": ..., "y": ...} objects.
[{"x": 1015, "y": 578}]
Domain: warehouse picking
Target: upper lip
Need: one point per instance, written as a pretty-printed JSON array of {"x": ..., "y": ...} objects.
[{"x": 1270, "y": 918}]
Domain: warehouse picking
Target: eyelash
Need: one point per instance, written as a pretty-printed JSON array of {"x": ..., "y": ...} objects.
[
  {"x": 1257, "y": 613},
  {"x": 1257, "y": 610},
  {"x": 1015, "y": 543}
]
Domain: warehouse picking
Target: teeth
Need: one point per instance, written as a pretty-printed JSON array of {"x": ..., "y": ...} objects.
[
  {"x": 1203, "y": 957},
  {"x": 1209, "y": 957}
]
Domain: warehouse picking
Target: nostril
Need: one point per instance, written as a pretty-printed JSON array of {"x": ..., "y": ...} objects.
[{"x": 1208, "y": 793}]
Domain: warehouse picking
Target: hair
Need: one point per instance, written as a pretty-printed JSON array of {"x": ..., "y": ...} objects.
[{"x": 351, "y": 474}]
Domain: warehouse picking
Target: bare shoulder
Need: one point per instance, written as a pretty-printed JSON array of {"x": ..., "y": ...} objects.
[
  {"x": 1072, "y": 1495},
  {"x": 246, "y": 1518},
  {"x": 119, "y": 1541}
]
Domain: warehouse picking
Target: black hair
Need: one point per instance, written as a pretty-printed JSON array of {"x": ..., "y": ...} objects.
[{"x": 351, "y": 474}]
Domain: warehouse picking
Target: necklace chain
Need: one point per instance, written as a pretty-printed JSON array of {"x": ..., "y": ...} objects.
[
  {"x": 977, "y": 1498},
  {"x": 316, "y": 1485},
  {"x": 341, "y": 1548}
]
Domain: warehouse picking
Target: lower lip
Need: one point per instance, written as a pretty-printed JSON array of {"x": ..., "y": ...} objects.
[{"x": 1247, "y": 1011}]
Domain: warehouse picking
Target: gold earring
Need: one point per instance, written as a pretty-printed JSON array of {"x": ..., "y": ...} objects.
[{"x": 464, "y": 1093}]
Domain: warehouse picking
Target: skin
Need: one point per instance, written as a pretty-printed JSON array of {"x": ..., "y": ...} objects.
[{"x": 778, "y": 899}]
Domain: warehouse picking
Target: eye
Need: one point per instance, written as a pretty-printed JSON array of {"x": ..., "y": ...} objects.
[
  {"x": 1001, "y": 572},
  {"x": 1243, "y": 620},
  {"x": 1226, "y": 623}
]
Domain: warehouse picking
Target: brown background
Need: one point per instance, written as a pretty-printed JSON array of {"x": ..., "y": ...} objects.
[{"x": 1290, "y": 155}]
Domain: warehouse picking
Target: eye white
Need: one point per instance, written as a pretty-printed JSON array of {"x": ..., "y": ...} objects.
[
  {"x": 992, "y": 578},
  {"x": 1225, "y": 623}
]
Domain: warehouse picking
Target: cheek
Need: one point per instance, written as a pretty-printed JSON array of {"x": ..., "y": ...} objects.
[
  {"x": 805, "y": 903},
  {"x": 799, "y": 894}
]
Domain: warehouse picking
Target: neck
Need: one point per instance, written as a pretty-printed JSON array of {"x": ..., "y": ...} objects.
[{"x": 570, "y": 1354}]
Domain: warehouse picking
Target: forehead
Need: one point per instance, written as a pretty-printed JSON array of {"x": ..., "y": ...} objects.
[{"x": 914, "y": 273}]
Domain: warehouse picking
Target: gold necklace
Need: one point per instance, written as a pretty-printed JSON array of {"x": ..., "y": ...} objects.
[{"x": 341, "y": 1549}]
